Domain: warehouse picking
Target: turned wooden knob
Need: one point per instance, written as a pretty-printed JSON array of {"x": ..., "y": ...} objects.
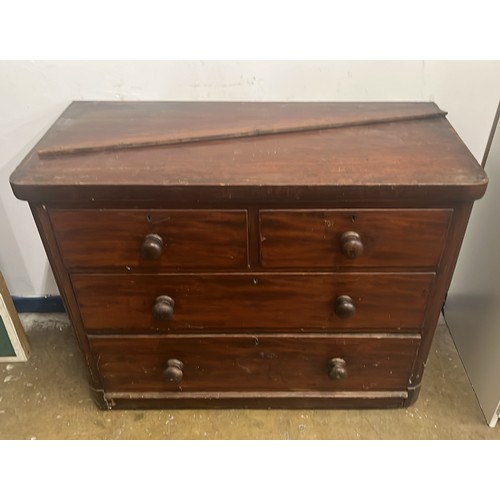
[
  {"x": 163, "y": 309},
  {"x": 173, "y": 372},
  {"x": 337, "y": 369},
  {"x": 152, "y": 247},
  {"x": 351, "y": 245},
  {"x": 344, "y": 306}
]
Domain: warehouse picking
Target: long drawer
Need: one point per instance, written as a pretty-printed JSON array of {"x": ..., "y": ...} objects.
[
  {"x": 334, "y": 239},
  {"x": 265, "y": 363},
  {"x": 151, "y": 239},
  {"x": 190, "y": 302}
]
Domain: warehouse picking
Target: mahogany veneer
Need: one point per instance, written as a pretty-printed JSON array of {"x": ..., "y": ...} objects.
[{"x": 252, "y": 254}]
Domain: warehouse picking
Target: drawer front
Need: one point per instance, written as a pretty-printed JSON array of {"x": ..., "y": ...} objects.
[
  {"x": 253, "y": 301},
  {"x": 333, "y": 239},
  {"x": 291, "y": 363},
  {"x": 127, "y": 239}
]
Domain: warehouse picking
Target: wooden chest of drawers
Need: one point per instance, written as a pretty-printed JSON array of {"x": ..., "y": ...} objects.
[{"x": 252, "y": 255}]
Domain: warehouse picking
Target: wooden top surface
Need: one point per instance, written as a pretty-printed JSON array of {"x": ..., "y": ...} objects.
[{"x": 101, "y": 151}]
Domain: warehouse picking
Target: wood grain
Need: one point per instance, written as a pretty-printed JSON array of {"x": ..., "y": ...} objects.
[
  {"x": 87, "y": 126},
  {"x": 255, "y": 400},
  {"x": 390, "y": 161},
  {"x": 391, "y": 238},
  {"x": 246, "y": 363},
  {"x": 249, "y": 302},
  {"x": 193, "y": 239}
]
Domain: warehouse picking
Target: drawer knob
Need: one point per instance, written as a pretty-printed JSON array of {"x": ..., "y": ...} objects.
[
  {"x": 344, "y": 306},
  {"x": 337, "y": 369},
  {"x": 173, "y": 372},
  {"x": 351, "y": 245},
  {"x": 152, "y": 247},
  {"x": 163, "y": 309}
]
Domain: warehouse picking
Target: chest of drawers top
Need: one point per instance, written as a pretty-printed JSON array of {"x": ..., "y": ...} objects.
[{"x": 250, "y": 152}]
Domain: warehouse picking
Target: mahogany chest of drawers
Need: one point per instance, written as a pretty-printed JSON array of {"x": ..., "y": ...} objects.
[{"x": 252, "y": 254}]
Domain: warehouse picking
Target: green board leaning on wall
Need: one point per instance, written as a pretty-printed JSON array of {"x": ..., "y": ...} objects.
[
  {"x": 6, "y": 347},
  {"x": 14, "y": 345}
]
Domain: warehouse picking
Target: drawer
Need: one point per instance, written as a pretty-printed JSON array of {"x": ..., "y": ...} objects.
[
  {"x": 333, "y": 239},
  {"x": 266, "y": 363},
  {"x": 253, "y": 301},
  {"x": 128, "y": 239}
]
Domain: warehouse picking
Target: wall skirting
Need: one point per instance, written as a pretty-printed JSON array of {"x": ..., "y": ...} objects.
[{"x": 45, "y": 304}]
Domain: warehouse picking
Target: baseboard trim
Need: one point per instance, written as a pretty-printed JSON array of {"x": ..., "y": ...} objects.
[{"x": 46, "y": 304}]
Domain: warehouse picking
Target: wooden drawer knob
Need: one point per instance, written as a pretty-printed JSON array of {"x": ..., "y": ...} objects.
[
  {"x": 163, "y": 309},
  {"x": 152, "y": 247},
  {"x": 337, "y": 369},
  {"x": 351, "y": 245},
  {"x": 344, "y": 306},
  {"x": 173, "y": 372}
]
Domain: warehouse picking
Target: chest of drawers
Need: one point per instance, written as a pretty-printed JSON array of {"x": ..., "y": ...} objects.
[{"x": 252, "y": 254}]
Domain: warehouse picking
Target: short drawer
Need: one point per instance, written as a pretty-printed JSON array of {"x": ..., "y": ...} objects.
[
  {"x": 151, "y": 239},
  {"x": 197, "y": 303},
  {"x": 334, "y": 239},
  {"x": 265, "y": 363}
]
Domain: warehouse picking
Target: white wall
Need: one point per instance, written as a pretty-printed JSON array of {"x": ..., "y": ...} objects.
[{"x": 33, "y": 94}]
